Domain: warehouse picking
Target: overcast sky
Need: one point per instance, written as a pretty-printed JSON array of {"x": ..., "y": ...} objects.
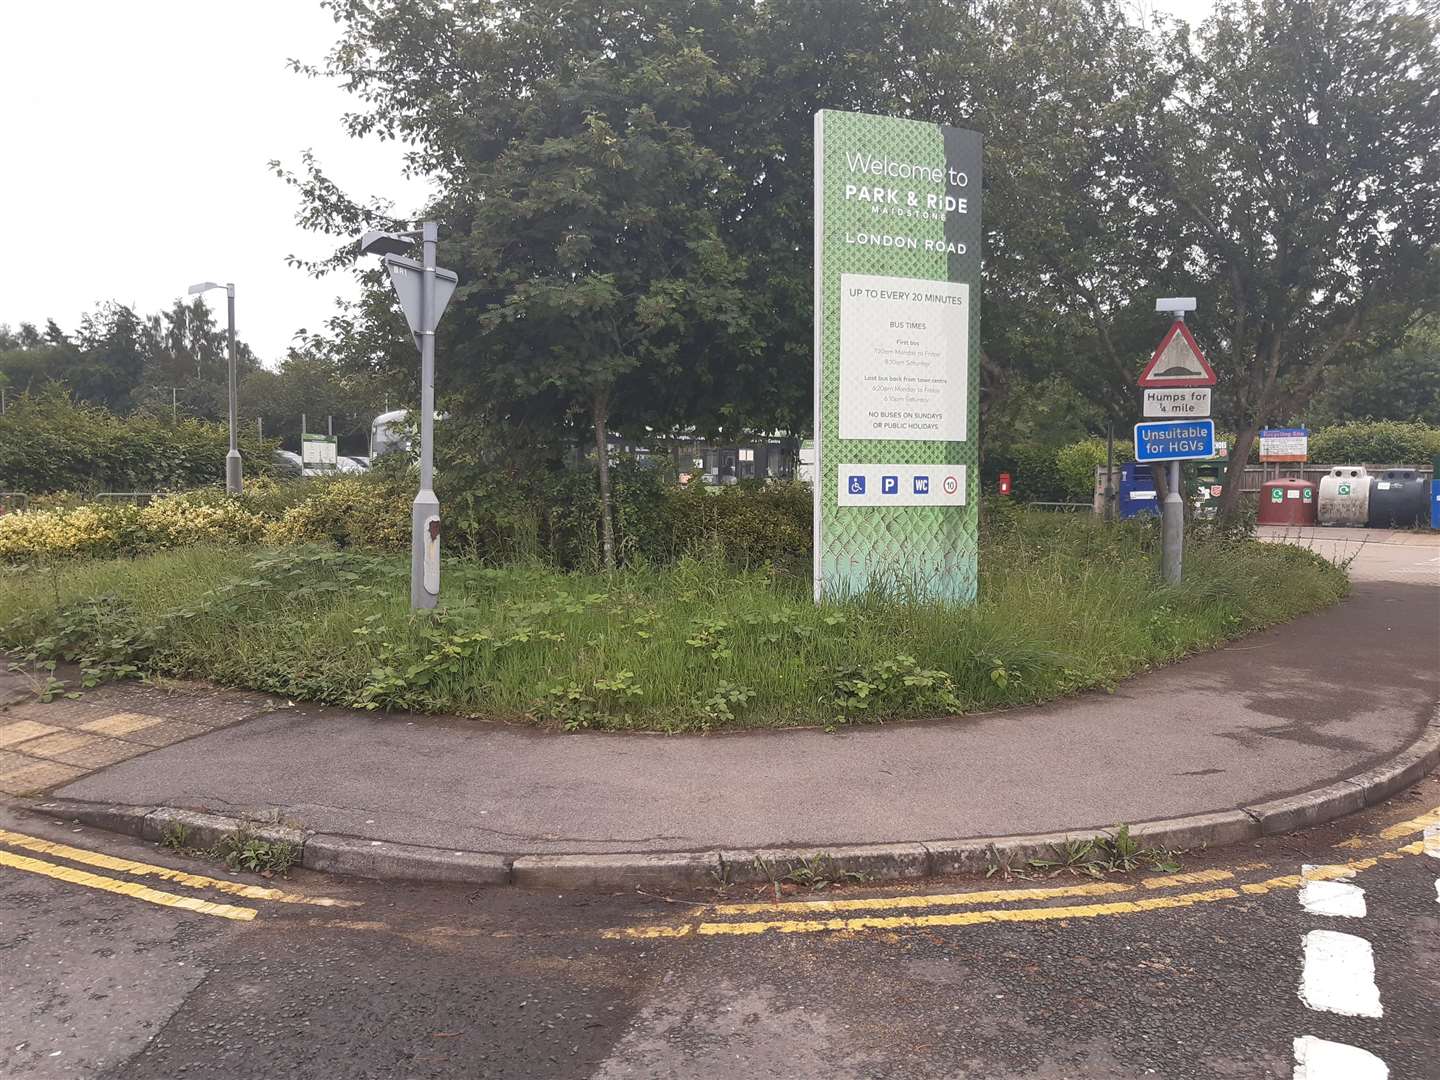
[{"x": 137, "y": 136}]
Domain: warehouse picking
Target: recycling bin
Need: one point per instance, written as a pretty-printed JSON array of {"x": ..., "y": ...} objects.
[
  {"x": 1287, "y": 502},
  {"x": 1399, "y": 499},
  {"x": 1137, "y": 491},
  {"x": 1344, "y": 496},
  {"x": 1208, "y": 486}
]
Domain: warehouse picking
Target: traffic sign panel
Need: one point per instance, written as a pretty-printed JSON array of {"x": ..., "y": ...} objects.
[
  {"x": 1178, "y": 361},
  {"x": 1284, "y": 444},
  {"x": 408, "y": 277},
  {"x": 1177, "y": 401},
  {"x": 1174, "y": 440}
]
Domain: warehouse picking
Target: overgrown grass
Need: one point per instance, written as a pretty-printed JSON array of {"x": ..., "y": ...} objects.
[{"x": 1065, "y": 605}]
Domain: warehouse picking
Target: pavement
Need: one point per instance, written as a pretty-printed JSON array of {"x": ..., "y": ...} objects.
[
  {"x": 1306, "y": 956},
  {"x": 1281, "y": 729}
]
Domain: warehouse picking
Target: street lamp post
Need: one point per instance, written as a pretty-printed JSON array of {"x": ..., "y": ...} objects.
[
  {"x": 233, "y": 476},
  {"x": 423, "y": 289}
]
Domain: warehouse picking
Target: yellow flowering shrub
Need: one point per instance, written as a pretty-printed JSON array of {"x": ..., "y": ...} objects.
[
  {"x": 350, "y": 511},
  {"x": 175, "y": 521},
  {"x": 169, "y": 521},
  {"x": 35, "y": 534}
]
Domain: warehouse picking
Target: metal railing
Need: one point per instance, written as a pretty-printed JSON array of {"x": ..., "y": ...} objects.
[{"x": 139, "y": 498}]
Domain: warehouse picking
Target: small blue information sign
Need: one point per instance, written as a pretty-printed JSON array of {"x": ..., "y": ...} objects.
[{"x": 1174, "y": 440}]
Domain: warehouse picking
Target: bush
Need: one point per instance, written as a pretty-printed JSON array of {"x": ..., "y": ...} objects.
[
  {"x": 1077, "y": 463},
  {"x": 554, "y": 517},
  {"x": 1375, "y": 442},
  {"x": 49, "y": 443},
  {"x": 172, "y": 521},
  {"x": 747, "y": 525},
  {"x": 1034, "y": 474},
  {"x": 349, "y": 511}
]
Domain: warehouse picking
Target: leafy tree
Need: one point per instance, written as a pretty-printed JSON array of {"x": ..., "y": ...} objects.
[
  {"x": 1300, "y": 150},
  {"x": 584, "y": 213},
  {"x": 308, "y": 383},
  {"x": 122, "y": 361},
  {"x": 1399, "y": 383}
]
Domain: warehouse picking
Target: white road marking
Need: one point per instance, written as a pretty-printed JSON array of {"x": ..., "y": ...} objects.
[
  {"x": 1320, "y": 1059},
  {"x": 1432, "y": 841},
  {"x": 1328, "y": 897},
  {"x": 1339, "y": 974}
]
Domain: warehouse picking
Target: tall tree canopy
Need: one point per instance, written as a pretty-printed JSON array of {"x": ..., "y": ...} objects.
[
  {"x": 1303, "y": 153},
  {"x": 626, "y": 190}
]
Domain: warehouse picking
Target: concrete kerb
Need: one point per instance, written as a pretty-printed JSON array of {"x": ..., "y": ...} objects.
[{"x": 877, "y": 862}]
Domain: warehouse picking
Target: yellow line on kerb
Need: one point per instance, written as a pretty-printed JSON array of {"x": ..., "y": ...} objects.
[
  {"x": 123, "y": 888},
  {"x": 910, "y": 922},
  {"x": 1396, "y": 831},
  {"x": 1414, "y": 825},
  {"x": 140, "y": 869},
  {"x": 1002, "y": 915},
  {"x": 991, "y": 896}
]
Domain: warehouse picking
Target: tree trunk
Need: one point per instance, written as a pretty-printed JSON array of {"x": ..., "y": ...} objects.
[
  {"x": 600, "y": 413},
  {"x": 1229, "y": 506},
  {"x": 1160, "y": 474}
]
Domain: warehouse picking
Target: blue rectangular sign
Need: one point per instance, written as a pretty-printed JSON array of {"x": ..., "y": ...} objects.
[{"x": 1174, "y": 440}]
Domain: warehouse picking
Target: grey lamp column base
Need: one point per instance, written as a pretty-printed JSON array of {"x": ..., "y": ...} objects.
[
  {"x": 234, "y": 472},
  {"x": 423, "y": 549}
]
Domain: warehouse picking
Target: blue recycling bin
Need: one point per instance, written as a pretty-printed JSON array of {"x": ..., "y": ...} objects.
[
  {"x": 1137, "y": 491},
  {"x": 1435, "y": 504}
]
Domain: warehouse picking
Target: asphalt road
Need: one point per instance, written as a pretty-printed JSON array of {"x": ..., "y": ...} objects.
[
  {"x": 1368, "y": 554},
  {"x": 1135, "y": 975}
]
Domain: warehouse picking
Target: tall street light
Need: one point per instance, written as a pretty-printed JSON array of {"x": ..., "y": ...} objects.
[
  {"x": 423, "y": 289},
  {"x": 233, "y": 480}
]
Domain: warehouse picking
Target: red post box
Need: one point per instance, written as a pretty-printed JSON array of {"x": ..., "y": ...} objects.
[{"x": 1004, "y": 483}]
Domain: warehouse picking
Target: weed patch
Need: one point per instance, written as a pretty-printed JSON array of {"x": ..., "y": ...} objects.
[{"x": 1065, "y": 605}]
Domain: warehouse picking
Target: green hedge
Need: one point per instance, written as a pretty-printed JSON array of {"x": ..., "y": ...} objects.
[
  {"x": 49, "y": 443},
  {"x": 1375, "y": 442},
  {"x": 1048, "y": 473}
]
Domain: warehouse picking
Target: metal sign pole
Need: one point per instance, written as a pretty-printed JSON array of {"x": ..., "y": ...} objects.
[
  {"x": 1172, "y": 518},
  {"x": 425, "y": 514},
  {"x": 423, "y": 289},
  {"x": 233, "y": 476}
]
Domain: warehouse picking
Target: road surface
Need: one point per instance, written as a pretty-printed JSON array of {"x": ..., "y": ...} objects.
[{"x": 1214, "y": 972}]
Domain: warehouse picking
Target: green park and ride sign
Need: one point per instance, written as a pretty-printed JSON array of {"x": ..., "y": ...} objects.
[{"x": 897, "y": 346}]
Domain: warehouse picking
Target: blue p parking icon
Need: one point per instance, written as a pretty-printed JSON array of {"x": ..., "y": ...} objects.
[{"x": 889, "y": 485}]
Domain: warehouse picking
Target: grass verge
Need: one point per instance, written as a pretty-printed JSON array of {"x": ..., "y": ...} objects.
[{"x": 1065, "y": 605}]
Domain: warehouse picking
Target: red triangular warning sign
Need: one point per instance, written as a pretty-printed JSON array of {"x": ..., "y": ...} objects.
[{"x": 1178, "y": 362}]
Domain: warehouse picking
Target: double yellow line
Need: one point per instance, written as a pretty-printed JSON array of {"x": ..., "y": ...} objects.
[
  {"x": 803, "y": 914},
  {"x": 137, "y": 891}
]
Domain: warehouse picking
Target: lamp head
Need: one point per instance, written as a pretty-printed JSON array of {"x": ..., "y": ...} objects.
[
  {"x": 380, "y": 242},
  {"x": 204, "y": 286}
]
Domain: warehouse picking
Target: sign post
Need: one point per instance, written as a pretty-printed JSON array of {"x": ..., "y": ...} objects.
[
  {"x": 1175, "y": 372},
  {"x": 1284, "y": 444},
  {"x": 897, "y": 291},
  {"x": 318, "y": 451},
  {"x": 423, "y": 290}
]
